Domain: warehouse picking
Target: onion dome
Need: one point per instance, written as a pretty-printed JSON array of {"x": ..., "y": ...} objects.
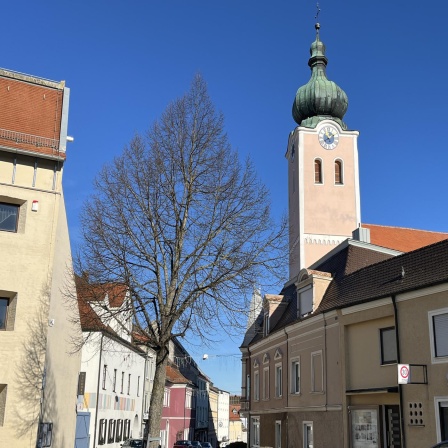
[{"x": 319, "y": 99}]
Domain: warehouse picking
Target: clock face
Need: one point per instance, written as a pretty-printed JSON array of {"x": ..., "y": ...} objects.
[{"x": 329, "y": 137}]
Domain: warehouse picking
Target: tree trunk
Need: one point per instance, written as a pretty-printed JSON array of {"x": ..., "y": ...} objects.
[{"x": 155, "y": 410}]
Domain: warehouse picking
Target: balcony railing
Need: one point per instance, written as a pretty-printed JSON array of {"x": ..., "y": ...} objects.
[{"x": 35, "y": 140}]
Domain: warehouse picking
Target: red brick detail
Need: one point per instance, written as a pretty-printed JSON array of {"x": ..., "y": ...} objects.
[{"x": 31, "y": 109}]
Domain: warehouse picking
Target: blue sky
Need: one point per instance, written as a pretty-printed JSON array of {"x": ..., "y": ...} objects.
[{"x": 125, "y": 60}]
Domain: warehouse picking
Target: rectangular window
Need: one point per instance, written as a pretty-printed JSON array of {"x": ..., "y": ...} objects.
[
  {"x": 388, "y": 345},
  {"x": 278, "y": 434},
  {"x": 102, "y": 432},
  {"x": 295, "y": 377},
  {"x": 256, "y": 386},
  {"x": 127, "y": 429},
  {"x": 247, "y": 387},
  {"x": 266, "y": 324},
  {"x": 119, "y": 431},
  {"x": 188, "y": 399},
  {"x": 166, "y": 398},
  {"x": 104, "y": 376},
  {"x": 317, "y": 372},
  {"x": 138, "y": 386},
  {"x": 122, "y": 382},
  {"x": 45, "y": 434},
  {"x": 111, "y": 435},
  {"x": 115, "y": 380},
  {"x": 255, "y": 431},
  {"x": 9, "y": 215},
  {"x": 305, "y": 302},
  {"x": 278, "y": 381},
  {"x": 440, "y": 329},
  {"x": 129, "y": 384},
  {"x": 308, "y": 434},
  {"x": 266, "y": 383},
  {"x": 4, "y": 303}
]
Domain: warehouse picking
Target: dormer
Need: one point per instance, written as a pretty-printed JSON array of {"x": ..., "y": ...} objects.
[
  {"x": 311, "y": 287},
  {"x": 273, "y": 307}
]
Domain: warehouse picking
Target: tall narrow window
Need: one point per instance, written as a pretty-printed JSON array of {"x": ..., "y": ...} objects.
[
  {"x": 338, "y": 175},
  {"x": 278, "y": 434},
  {"x": 122, "y": 382},
  {"x": 278, "y": 381},
  {"x": 104, "y": 375},
  {"x": 295, "y": 377},
  {"x": 266, "y": 383},
  {"x": 129, "y": 384},
  {"x": 317, "y": 171},
  {"x": 115, "y": 380},
  {"x": 256, "y": 386},
  {"x": 255, "y": 433},
  {"x": 266, "y": 324},
  {"x": 308, "y": 435},
  {"x": 138, "y": 386},
  {"x": 388, "y": 345},
  {"x": 439, "y": 334}
]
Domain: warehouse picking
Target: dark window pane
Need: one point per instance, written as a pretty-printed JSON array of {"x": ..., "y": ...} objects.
[
  {"x": 8, "y": 217},
  {"x": 388, "y": 346},
  {"x": 440, "y": 323},
  {"x": 317, "y": 172},
  {"x": 3, "y": 312}
]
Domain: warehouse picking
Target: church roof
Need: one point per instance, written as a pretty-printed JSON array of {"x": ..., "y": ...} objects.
[{"x": 401, "y": 238}]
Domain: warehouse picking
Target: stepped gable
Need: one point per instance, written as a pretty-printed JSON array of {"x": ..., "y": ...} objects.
[
  {"x": 421, "y": 268},
  {"x": 401, "y": 238}
]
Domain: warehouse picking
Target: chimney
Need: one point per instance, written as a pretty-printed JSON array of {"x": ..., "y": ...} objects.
[{"x": 361, "y": 234}]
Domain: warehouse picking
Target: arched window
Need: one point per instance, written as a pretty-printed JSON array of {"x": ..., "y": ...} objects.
[
  {"x": 317, "y": 171},
  {"x": 338, "y": 174}
]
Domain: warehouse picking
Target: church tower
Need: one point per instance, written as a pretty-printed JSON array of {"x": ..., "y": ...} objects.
[{"x": 323, "y": 175}]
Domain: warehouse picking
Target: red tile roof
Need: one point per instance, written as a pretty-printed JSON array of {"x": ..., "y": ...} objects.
[
  {"x": 174, "y": 376},
  {"x": 401, "y": 238},
  {"x": 115, "y": 292}
]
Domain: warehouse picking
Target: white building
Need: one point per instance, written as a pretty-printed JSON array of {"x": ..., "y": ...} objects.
[{"x": 113, "y": 373}]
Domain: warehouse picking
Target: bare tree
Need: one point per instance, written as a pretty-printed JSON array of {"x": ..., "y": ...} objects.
[{"x": 184, "y": 225}]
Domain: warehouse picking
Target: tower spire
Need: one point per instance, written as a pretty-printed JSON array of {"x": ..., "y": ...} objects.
[{"x": 319, "y": 99}]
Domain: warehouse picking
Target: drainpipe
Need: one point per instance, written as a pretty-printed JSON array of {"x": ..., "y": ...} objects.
[
  {"x": 400, "y": 386},
  {"x": 98, "y": 392}
]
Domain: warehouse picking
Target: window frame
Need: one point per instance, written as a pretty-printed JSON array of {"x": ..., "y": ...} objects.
[
  {"x": 257, "y": 385},
  {"x": 103, "y": 381},
  {"x": 278, "y": 380},
  {"x": 4, "y": 327},
  {"x": 266, "y": 383},
  {"x": 339, "y": 164},
  {"x": 255, "y": 433},
  {"x": 385, "y": 362},
  {"x": 295, "y": 379},
  {"x": 278, "y": 434},
  {"x": 17, "y": 208},
  {"x": 435, "y": 359},
  {"x": 318, "y": 173},
  {"x": 306, "y": 441}
]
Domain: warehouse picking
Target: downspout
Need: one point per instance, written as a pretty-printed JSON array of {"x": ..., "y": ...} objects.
[
  {"x": 98, "y": 391},
  {"x": 288, "y": 386},
  {"x": 400, "y": 386}
]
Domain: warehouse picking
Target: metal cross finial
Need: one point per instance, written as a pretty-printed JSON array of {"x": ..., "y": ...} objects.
[{"x": 318, "y": 11}]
